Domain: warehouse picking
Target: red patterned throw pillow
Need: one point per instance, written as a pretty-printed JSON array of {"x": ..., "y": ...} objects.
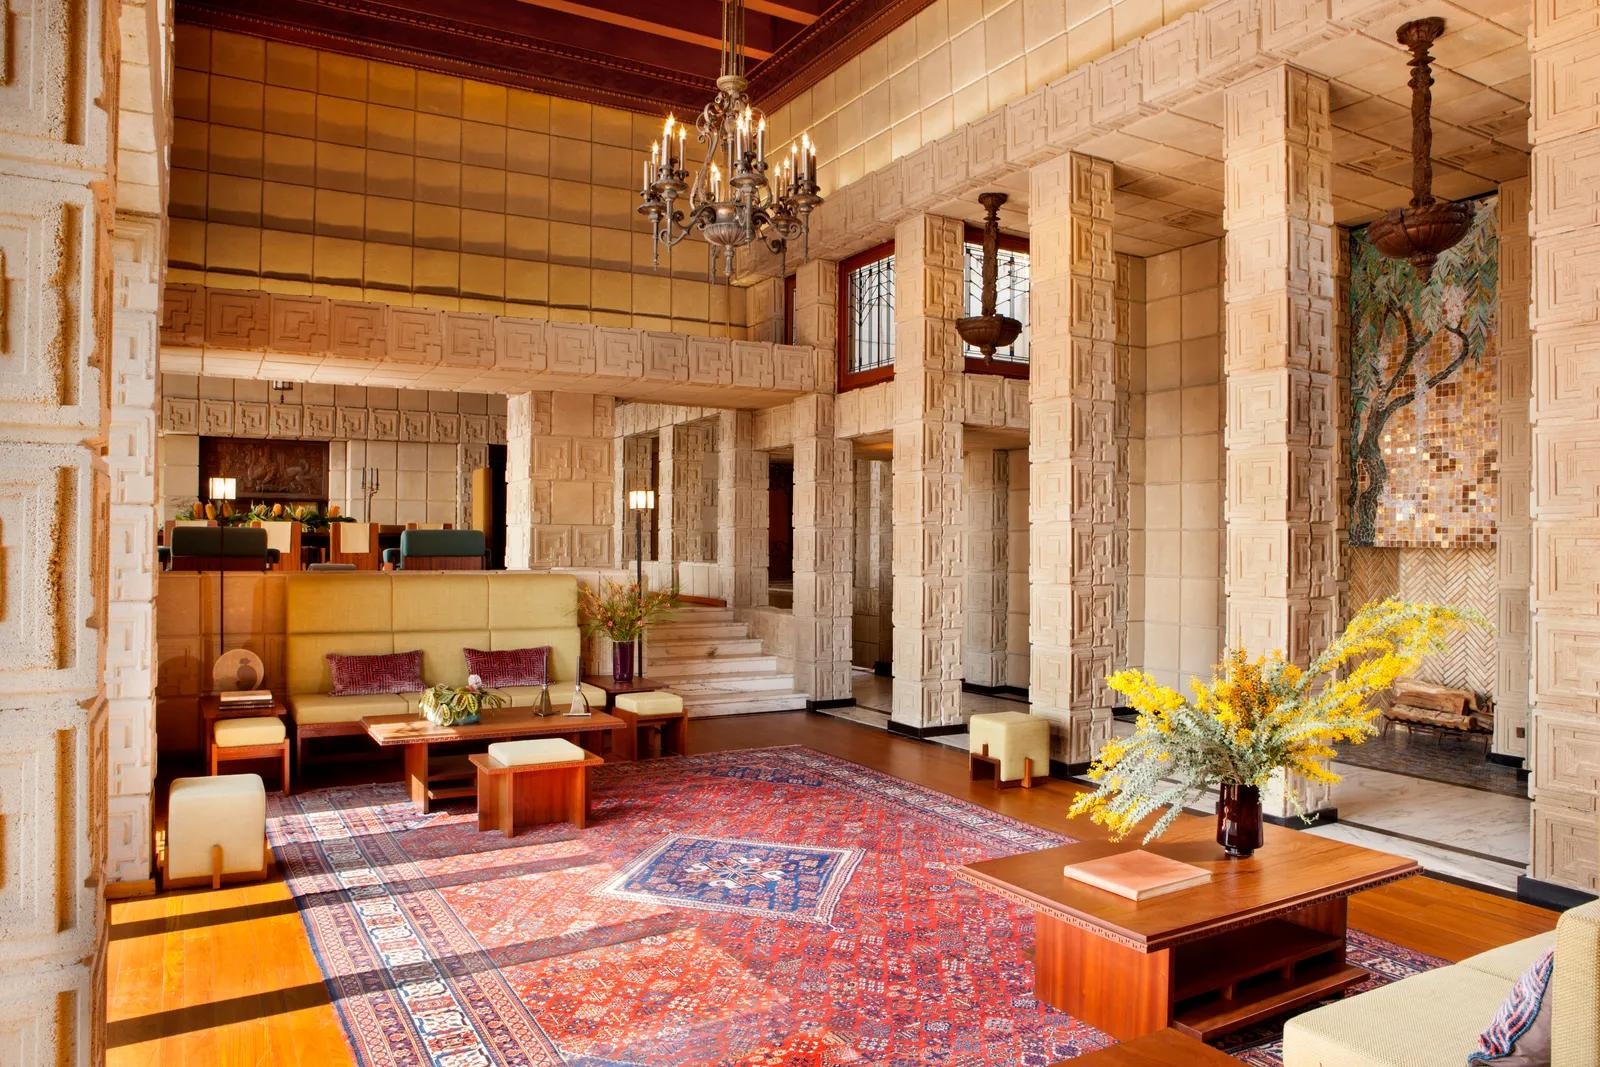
[
  {"x": 511, "y": 666},
  {"x": 394, "y": 672}
]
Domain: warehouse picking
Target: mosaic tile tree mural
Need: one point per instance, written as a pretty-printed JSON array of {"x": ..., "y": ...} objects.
[{"x": 1424, "y": 417}]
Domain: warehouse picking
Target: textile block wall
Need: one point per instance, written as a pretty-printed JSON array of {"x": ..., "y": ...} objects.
[
  {"x": 561, "y": 495},
  {"x": 1182, "y": 482},
  {"x": 424, "y": 444},
  {"x": 305, "y": 172},
  {"x": 57, "y": 81}
]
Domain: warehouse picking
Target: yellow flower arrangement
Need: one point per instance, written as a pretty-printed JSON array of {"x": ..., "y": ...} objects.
[{"x": 1256, "y": 716}]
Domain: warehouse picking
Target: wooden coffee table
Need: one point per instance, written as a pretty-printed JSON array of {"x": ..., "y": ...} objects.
[
  {"x": 442, "y": 778},
  {"x": 1264, "y": 936}
]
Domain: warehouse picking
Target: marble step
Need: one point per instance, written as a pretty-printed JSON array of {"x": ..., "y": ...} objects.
[
  {"x": 668, "y": 632},
  {"x": 701, "y": 667},
  {"x": 669, "y": 648},
  {"x": 694, "y": 688},
  {"x": 745, "y": 704},
  {"x": 692, "y": 614}
]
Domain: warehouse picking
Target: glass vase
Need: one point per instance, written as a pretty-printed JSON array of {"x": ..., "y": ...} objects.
[
  {"x": 622, "y": 661},
  {"x": 1238, "y": 819}
]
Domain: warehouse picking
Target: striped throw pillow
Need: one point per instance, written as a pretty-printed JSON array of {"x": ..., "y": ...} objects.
[{"x": 1519, "y": 1036}]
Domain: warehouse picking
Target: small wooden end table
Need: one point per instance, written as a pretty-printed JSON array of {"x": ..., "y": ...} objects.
[
  {"x": 211, "y": 711},
  {"x": 512, "y": 798},
  {"x": 1264, "y": 936},
  {"x": 431, "y": 780}
]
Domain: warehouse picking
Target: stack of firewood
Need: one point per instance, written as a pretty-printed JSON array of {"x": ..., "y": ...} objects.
[{"x": 1416, "y": 701}]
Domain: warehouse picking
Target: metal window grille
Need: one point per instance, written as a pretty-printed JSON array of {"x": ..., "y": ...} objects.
[
  {"x": 1011, "y": 297},
  {"x": 869, "y": 291}
]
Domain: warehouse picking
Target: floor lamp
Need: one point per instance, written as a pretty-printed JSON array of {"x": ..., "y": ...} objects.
[
  {"x": 220, "y": 491},
  {"x": 639, "y": 502}
]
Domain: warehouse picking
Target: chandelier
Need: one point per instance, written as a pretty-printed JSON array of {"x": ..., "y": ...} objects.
[{"x": 737, "y": 197}]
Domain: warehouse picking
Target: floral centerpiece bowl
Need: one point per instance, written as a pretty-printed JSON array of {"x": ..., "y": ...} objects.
[
  {"x": 1255, "y": 717},
  {"x": 622, "y": 612},
  {"x": 458, "y": 705}
]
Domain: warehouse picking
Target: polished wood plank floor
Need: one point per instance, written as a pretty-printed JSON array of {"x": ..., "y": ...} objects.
[{"x": 228, "y": 977}]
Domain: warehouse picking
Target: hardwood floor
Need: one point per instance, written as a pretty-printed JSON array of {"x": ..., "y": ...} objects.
[{"x": 228, "y": 977}]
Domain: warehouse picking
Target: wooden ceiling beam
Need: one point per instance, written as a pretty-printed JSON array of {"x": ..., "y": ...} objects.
[
  {"x": 801, "y": 12},
  {"x": 684, "y": 28}
]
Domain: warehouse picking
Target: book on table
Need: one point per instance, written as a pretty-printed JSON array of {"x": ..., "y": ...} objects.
[
  {"x": 245, "y": 698},
  {"x": 1138, "y": 875}
]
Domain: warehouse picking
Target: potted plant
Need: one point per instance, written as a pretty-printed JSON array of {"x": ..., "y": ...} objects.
[
  {"x": 1254, "y": 718},
  {"x": 622, "y": 611},
  {"x": 458, "y": 705}
]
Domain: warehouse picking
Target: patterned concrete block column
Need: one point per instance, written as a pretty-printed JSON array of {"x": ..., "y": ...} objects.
[
  {"x": 741, "y": 511},
  {"x": 1514, "y": 560},
  {"x": 1278, "y": 312},
  {"x": 694, "y": 491},
  {"x": 560, "y": 491},
  {"x": 873, "y": 637},
  {"x": 1072, "y": 453},
  {"x": 135, "y": 515},
  {"x": 823, "y": 521},
  {"x": 927, "y": 470},
  {"x": 56, "y": 462},
  {"x": 667, "y": 520},
  {"x": 984, "y": 618},
  {"x": 816, "y": 315},
  {"x": 1565, "y": 505},
  {"x": 1282, "y": 558}
]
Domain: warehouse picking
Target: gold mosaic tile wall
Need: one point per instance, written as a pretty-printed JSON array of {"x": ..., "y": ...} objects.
[
  {"x": 306, "y": 172},
  {"x": 1425, "y": 436}
]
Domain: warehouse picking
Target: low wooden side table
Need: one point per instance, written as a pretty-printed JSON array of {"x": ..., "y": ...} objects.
[
  {"x": 1163, "y": 1048},
  {"x": 212, "y": 712}
]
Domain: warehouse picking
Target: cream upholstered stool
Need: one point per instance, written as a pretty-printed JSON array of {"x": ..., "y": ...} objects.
[
  {"x": 526, "y": 783},
  {"x": 1013, "y": 746},
  {"x": 216, "y": 831},
  {"x": 659, "y": 717},
  {"x": 263, "y": 737}
]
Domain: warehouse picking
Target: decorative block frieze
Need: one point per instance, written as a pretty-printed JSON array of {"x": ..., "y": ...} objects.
[{"x": 381, "y": 344}]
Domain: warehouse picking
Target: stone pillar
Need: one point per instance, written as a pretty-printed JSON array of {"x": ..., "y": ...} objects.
[
  {"x": 1279, "y": 362},
  {"x": 1072, "y": 452},
  {"x": 667, "y": 520},
  {"x": 927, "y": 397},
  {"x": 694, "y": 491},
  {"x": 56, "y": 459},
  {"x": 560, "y": 490},
  {"x": 987, "y": 493},
  {"x": 823, "y": 522},
  {"x": 135, "y": 516},
  {"x": 1565, "y": 508},
  {"x": 764, "y": 310},
  {"x": 816, "y": 315},
  {"x": 742, "y": 511},
  {"x": 1514, "y": 559}
]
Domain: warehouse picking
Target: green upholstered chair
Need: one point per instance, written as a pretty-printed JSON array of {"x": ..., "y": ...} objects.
[
  {"x": 438, "y": 550},
  {"x": 220, "y": 548}
]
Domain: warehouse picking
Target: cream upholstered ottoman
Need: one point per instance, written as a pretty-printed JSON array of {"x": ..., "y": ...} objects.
[
  {"x": 650, "y": 714},
  {"x": 216, "y": 831},
  {"x": 527, "y": 783},
  {"x": 257, "y": 737},
  {"x": 1012, "y": 746}
]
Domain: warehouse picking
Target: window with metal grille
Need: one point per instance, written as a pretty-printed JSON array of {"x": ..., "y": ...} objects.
[
  {"x": 866, "y": 317},
  {"x": 1011, "y": 291}
]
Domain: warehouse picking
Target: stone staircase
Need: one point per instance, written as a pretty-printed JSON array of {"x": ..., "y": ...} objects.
[{"x": 711, "y": 659}]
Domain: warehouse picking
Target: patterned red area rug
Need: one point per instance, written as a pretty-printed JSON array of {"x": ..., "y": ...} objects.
[{"x": 772, "y": 907}]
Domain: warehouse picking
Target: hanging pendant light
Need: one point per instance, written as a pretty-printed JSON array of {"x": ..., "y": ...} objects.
[
  {"x": 1428, "y": 227},
  {"x": 989, "y": 331}
]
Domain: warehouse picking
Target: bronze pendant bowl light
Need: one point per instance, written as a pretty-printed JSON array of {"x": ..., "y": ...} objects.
[
  {"x": 988, "y": 331},
  {"x": 1419, "y": 233}
]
